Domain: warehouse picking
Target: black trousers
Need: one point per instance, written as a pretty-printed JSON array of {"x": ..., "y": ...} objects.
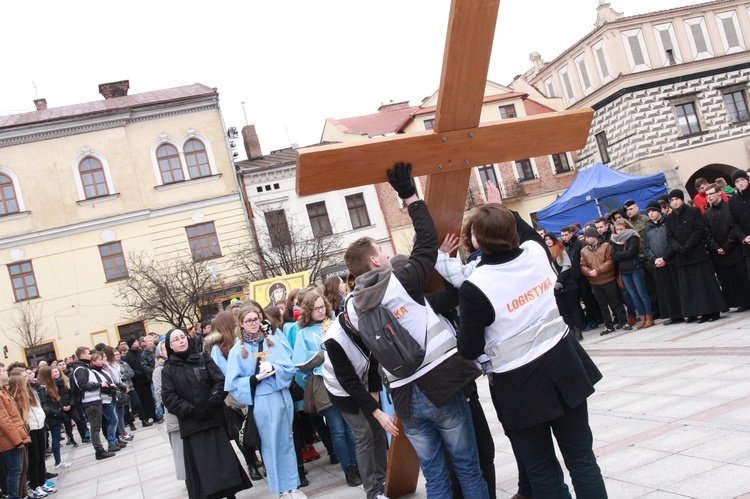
[
  {"x": 592, "y": 313},
  {"x": 608, "y": 295},
  {"x": 36, "y": 459},
  {"x": 569, "y": 305}
]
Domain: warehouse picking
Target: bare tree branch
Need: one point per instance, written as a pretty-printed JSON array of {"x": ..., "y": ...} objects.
[
  {"x": 25, "y": 328},
  {"x": 287, "y": 247},
  {"x": 170, "y": 291}
]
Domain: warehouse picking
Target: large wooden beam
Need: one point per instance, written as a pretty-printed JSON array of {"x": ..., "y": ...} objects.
[{"x": 340, "y": 166}]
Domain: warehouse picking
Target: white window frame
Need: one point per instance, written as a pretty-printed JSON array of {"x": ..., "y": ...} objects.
[
  {"x": 636, "y": 34},
  {"x": 105, "y": 167},
  {"x": 599, "y": 47},
  {"x": 580, "y": 62},
  {"x": 731, "y": 15},
  {"x": 533, "y": 168},
  {"x": 689, "y": 23},
  {"x": 570, "y": 97},
  {"x": 570, "y": 163},
  {"x": 17, "y": 187},
  {"x": 669, "y": 29},
  {"x": 209, "y": 155},
  {"x": 549, "y": 87}
]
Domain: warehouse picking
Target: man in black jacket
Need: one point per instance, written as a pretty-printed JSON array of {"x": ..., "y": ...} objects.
[
  {"x": 739, "y": 204},
  {"x": 699, "y": 292},
  {"x": 430, "y": 402},
  {"x": 657, "y": 250},
  {"x": 726, "y": 250},
  {"x": 87, "y": 392},
  {"x": 141, "y": 381},
  {"x": 592, "y": 316}
]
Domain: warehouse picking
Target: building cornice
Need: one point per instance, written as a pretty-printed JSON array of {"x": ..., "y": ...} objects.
[
  {"x": 92, "y": 123},
  {"x": 274, "y": 173},
  {"x": 115, "y": 221}
]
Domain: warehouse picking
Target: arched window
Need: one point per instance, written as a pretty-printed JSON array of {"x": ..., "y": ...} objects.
[
  {"x": 92, "y": 178},
  {"x": 169, "y": 164},
  {"x": 8, "y": 200},
  {"x": 197, "y": 159}
]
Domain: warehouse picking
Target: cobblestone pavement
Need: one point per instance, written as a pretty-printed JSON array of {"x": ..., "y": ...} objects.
[{"x": 671, "y": 419}]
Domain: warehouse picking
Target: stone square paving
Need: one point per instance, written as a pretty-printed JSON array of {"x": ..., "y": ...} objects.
[{"x": 671, "y": 419}]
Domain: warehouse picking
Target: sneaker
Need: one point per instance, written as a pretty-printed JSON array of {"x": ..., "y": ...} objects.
[
  {"x": 49, "y": 490},
  {"x": 627, "y": 327},
  {"x": 607, "y": 330},
  {"x": 146, "y": 424},
  {"x": 127, "y": 437},
  {"x": 352, "y": 477},
  {"x": 104, "y": 455},
  {"x": 297, "y": 494},
  {"x": 113, "y": 448},
  {"x": 381, "y": 496},
  {"x": 86, "y": 440},
  {"x": 75, "y": 445},
  {"x": 121, "y": 445},
  {"x": 38, "y": 492},
  {"x": 62, "y": 465}
]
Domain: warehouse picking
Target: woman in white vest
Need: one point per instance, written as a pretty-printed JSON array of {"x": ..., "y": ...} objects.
[{"x": 539, "y": 375}]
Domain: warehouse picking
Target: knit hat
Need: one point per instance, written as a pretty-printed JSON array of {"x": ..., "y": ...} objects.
[
  {"x": 653, "y": 206},
  {"x": 739, "y": 174},
  {"x": 629, "y": 203},
  {"x": 590, "y": 232},
  {"x": 677, "y": 193},
  {"x": 665, "y": 198},
  {"x": 130, "y": 342}
]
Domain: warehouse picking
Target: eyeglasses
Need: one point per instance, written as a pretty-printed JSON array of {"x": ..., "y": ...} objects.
[
  {"x": 251, "y": 321},
  {"x": 321, "y": 308}
]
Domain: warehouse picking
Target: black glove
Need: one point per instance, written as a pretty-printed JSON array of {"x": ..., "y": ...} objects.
[
  {"x": 266, "y": 326},
  {"x": 401, "y": 181}
]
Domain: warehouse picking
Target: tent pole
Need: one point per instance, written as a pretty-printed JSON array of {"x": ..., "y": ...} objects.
[{"x": 598, "y": 208}]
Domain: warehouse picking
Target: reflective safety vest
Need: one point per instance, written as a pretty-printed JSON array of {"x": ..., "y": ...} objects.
[
  {"x": 360, "y": 362},
  {"x": 424, "y": 325}
]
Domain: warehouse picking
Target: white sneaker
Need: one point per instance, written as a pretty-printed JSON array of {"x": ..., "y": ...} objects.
[
  {"x": 48, "y": 490},
  {"x": 297, "y": 494},
  {"x": 381, "y": 496},
  {"x": 284, "y": 495},
  {"x": 62, "y": 465},
  {"x": 38, "y": 492}
]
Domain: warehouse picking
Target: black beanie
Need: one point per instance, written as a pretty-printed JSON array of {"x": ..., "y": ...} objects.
[
  {"x": 739, "y": 174},
  {"x": 677, "y": 193},
  {"x": 129, "y": 342},
  {"x": 653, "y": 205}
]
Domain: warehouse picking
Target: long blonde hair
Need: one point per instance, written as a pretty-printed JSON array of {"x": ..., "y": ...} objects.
[{"x": 18, "y": 389}]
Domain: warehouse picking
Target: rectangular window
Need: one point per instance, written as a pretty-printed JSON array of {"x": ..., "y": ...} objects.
[
  {"x": 698, "y": 38},
  {"x": 319, "y": 221},
  {"x": 525, "y": 170},
  {"x": 601, "y": 143},
  {"x": 486, "y": 173},
  {"x": 583, "y": 74},
  {"x": 667, "y": 44},
  {"x": 549, "y": 87},
  {"x": 687, "y": 118},
  {"x": 23, "y": 280},
  {"x": 506, "y": 112},
  {"x": 570, "y": 94},
  {"x": 736, "y": 106},
  {"x": 729, "y": 29},
  {"x": 113, "y": 261},
  {"x": 635, "y": 50},
  {"x": 357, "y": 211},
  {"x": 429, "y": 124},
  {"x": 561, "y": 163},
  {"x": 203, "y": 241},
  {"x": 131, "y": 330},
  {"x": 600, "y": 58},
  {"x": 278, "y": 228}
]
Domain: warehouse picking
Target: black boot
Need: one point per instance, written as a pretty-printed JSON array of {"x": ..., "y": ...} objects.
[{"x": 577, "y": 333}]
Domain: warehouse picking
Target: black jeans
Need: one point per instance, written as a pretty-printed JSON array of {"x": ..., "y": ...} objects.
[
  {"x": 573, "y": 435},
  {"x": 608, "y": 294},
  {"x": 36, "y": 459}
]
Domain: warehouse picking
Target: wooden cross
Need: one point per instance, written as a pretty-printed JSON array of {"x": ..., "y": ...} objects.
[
  {"x": 262, "y": 355},
  {"x": 446, "y": 154}
]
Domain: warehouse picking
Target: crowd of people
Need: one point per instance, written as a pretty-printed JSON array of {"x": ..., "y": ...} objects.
[{"x": 274, "y": 381}]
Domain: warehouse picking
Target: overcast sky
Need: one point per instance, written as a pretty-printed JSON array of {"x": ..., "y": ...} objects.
[{"x": 293, "y": 63}]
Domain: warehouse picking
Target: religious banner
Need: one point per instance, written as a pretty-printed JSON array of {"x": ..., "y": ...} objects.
[{"x": 276, "y": 289}]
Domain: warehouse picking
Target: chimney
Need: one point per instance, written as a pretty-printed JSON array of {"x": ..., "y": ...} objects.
[
  {"x": 536, "y": 58},
  {"x": 252, "y": 144},
  {"x": 393, "y": 106},
  {"x": 114, "y": 89},
  {"x": 41, "y": 104}
]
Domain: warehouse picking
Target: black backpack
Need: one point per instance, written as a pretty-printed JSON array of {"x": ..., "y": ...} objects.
[{"x": 396, "y": 350}]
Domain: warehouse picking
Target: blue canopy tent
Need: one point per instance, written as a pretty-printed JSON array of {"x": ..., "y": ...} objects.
[{"x": 596, "y": 191}]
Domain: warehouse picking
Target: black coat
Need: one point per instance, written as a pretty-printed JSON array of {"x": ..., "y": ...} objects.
[
  {"x": 66, "y": 395},
  {"x": 686, "y": 232},
  {"x": 655, "y": 242},
  {"x": 52, "y": 409},
  {"x": 133, "y": 359},
  {"x": 626, "y": 255},
  {"x": 719, "y": 234},
  {"x": 739, "y": 205},
  {"x": 193, "y": 390},
  {"x": 573, "y": 247}
]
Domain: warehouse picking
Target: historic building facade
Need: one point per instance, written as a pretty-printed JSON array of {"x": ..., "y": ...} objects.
[{"x": 87, "y": 185}]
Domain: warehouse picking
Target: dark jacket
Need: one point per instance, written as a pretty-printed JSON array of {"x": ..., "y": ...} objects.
[
  {"x": 81, "y": 381},
  {"x": 126, "y": 374},
  {"x": 66, "y": 395},
  {"x": 52, "y": 409},
  {"x": 133, "y": 359},
  {"x": 686, "y": 232},
  {"x": 655, "y": 243},
  {"x": 739, "y": 205},
  {"x": 573, "y": 247},
  {"x": 193, "y": 390},
  {"x": 148, "y": 362},
  {"x": 719, "y": 234},
  {"x": 626, "y": 255}
]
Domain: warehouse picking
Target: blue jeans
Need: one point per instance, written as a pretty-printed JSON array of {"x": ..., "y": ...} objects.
[
  {"x": 635, "y": 283},
  {"x": 14, "y": 465},
  {"x": 341, "y": 437},
  {"x": 627, "y": 300},
  {"x": 55, "y": 431},
  {"x": 121, "y": 421},
  {"x": 433, "y": 430},
  {"x": 158, "y": 408},
  {"x": 109, "y": 411}
]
